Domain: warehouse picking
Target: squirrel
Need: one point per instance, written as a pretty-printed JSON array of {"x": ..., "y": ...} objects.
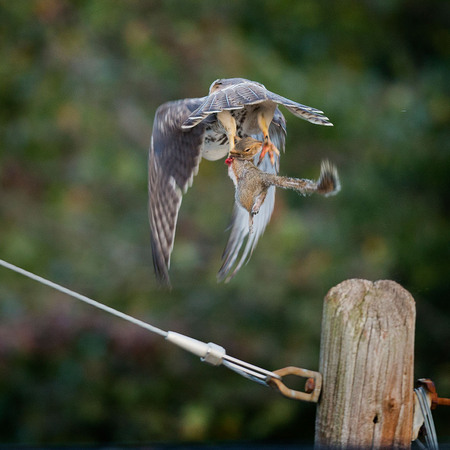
[{"x": 252, "y": 183}]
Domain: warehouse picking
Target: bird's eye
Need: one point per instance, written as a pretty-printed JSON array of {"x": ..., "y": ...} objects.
[{"x": 247, "y": 150}]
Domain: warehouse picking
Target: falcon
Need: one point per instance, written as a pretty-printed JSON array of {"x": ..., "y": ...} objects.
[{"x": 185, "y": 131}]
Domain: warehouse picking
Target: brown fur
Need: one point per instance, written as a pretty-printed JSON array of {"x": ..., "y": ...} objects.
[{"x": 252, "y": 184}]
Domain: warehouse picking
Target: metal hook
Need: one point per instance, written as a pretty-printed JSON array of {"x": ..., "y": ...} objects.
[
  {"x": 312, "y": 388},
  {"x": 216, "y": 355}
]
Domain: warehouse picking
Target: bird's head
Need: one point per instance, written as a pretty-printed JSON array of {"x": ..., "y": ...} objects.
[
  {"x": 222, "y": 83},
  {"x": 246, "y": 148}
]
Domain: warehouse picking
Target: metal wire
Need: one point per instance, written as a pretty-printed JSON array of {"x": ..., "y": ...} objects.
[
  {"x": 83, "y": 298},
  {"x": 247, "y": 373},
  {"x": 430, "y": 430},
  {"x": 243, "y": 368},
  {"x": 250, "y": 369}
]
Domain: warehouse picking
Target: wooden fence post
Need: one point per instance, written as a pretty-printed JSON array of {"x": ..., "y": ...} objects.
[{"x": 367, "y": 363}]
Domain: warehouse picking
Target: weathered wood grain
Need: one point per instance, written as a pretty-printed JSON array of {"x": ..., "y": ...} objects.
[{"x": 367, "y": 363}]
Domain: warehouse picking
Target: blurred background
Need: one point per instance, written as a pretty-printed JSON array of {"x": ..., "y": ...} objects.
[{"x": 79, "y": 84}]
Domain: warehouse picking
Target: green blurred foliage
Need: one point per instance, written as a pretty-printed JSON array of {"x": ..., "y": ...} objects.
[{"x": 79, "y": 84}]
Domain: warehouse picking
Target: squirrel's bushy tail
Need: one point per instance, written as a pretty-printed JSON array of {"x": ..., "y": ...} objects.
[{"x": 328, "y": 183}]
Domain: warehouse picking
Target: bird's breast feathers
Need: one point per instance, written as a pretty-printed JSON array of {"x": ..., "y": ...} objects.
[{"x": 215, "y": 145}]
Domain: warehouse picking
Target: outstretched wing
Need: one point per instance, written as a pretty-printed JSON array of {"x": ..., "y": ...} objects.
[
  {"x": 308, "y": 113},
  {"x": 238, "y": 93},
  {"x": 174, "y": 158},
  {"x": 241, "y": 244}
]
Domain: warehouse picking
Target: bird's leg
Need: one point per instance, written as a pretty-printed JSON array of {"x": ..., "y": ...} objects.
[
  {"x": 228, "y": 122},
  {"x": 268, "y": 146}
]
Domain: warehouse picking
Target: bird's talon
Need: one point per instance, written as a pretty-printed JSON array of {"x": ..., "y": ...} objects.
[{"x": 269, "y": 148}]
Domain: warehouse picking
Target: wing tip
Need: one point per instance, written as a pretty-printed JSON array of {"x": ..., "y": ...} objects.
[{"x": 162, "y": 276}]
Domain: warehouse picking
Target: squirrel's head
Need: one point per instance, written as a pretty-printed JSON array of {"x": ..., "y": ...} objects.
[{"x": 246, "y": 148}]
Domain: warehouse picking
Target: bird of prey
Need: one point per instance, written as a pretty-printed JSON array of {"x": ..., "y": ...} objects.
[{"x": 185, "y": 131}]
